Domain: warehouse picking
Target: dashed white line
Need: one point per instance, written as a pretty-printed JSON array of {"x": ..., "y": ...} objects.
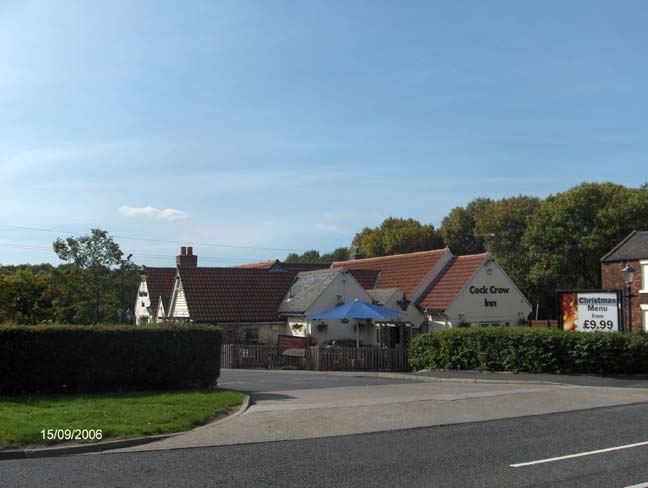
[{"x": 581, "y": 454}]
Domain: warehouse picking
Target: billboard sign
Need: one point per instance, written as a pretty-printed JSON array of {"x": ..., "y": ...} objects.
[
  {"x": 292, "y": 346},
  {"x": 589, "y": 310}
]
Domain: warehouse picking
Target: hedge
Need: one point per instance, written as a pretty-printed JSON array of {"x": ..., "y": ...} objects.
[
  {"x": 68, "y": 358},
  {"x": 531, "y": 350}
]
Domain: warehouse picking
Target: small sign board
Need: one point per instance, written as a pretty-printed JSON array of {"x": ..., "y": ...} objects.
[
  {"x": 589, "y": 310},
  {"x": 294, "y": 346}
]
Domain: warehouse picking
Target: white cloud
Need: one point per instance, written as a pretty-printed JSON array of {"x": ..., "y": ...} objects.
[{"x": 170, "y": 214}]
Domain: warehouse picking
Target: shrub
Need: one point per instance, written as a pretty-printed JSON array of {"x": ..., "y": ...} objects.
[
  {"x": 531, "y": 350},
  {"x": 59, "y": 358}
]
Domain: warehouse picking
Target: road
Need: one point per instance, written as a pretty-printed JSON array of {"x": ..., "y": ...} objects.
[{"x": 465, "y": 455}]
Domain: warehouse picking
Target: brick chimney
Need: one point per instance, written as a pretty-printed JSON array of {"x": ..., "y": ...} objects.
[{"x": 187, "y": 259}]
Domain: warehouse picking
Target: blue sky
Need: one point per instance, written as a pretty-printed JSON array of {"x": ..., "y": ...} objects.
[{"x": 271, "y": 125}]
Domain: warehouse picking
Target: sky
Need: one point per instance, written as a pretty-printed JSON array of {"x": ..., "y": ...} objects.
[{"x": 250, "y": 129}]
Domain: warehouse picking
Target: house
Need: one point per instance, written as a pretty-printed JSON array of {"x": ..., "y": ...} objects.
[
  {"x": 444, "y": 290},
  {"x": 633, "y": 251},
  {"x": 473, "y": 291},
  {"x": 244, "y": 301},
  {"x": 313, "y": 292},
  {"x": 275, "y": 264},
  {"x": 155, "y": 288}
]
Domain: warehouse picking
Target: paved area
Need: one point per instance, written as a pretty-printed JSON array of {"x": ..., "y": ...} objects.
[
  {"x": 580, "y": 380},
  {"x": 302, "y": 413},
  {"x": 261, "y": 380},
  {"x": 464, "y": 455}
]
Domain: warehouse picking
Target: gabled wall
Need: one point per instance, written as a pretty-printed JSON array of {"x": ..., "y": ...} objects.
[
  {"x": 490, "y": 296},
  {"x": 178, "y": 306},
  {"x": 346, "y": 286},
  {"x": 142, "y": 314}
]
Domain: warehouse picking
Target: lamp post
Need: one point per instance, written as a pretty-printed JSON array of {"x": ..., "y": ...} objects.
[
  {"x": 122, "y": 312},
  {"x": 628, "y": 275}
]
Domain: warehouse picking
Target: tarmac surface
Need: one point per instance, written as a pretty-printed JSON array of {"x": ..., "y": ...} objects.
[{"x": 463, "y": 455}]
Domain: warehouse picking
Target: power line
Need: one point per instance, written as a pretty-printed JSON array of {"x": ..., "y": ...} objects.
[
  {"x": 136, "y": 238},
  {"x": 12, "y": 245}
]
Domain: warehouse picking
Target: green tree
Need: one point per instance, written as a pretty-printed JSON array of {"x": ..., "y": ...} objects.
[
  {"x": 25, "y": 296},
  {"x": 503, "y": 224},
  {"x": 397, "y": 236},
  {"x": 93, "y": 255},
  {"x": 338, "y": 254},
  {"x": 571, "y": 231},
  {"x": 458, "y": 228}
]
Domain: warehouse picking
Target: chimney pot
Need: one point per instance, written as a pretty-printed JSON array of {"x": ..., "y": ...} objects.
[
  {"x": 183, "y": 251},
  {"x": 189, "y": 251}
]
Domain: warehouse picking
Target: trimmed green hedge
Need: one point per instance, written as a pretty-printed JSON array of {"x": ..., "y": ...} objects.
[
  {"x": 531, "y": 350},
  {"x": 60, "y": 358}
]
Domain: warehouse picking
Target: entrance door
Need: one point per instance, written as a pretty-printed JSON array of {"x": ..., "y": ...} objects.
[{"x": 394, "y": 336}]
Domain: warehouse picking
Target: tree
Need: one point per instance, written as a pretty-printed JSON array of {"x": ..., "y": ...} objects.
[
  {"x": 458, "y": 228},
  {"x": 507, "y": 220},
  {"x": 93, "y": 255},
  {"x": 338, "y": 254},
  {"x": 571, "y": 231},
  {"x": 397, "y": 236},
  {"x": 25, "y": 296}
]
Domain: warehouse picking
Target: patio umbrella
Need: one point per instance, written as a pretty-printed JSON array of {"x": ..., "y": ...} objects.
[{"x": 357, "y": 310}]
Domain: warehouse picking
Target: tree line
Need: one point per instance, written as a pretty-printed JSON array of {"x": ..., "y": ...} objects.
[
  {"x": 543, "y": 244},
  {"x": 95, "y": 285}
]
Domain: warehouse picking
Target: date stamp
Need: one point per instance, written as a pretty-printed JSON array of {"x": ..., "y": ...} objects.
[{"x": 72, "y": 434}]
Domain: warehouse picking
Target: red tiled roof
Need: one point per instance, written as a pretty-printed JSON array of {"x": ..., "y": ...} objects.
[
  {"x": 366, "y": 277},
  {"x": 221, "y": 295},
  {"x": 159, "y": 282},
  {"x": 404, "y": 271},
  {"x": 452, "y": 281},
  {"x": 260, "y": 265}
]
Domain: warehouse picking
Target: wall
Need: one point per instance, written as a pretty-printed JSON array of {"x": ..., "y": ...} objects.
[
  {"x": 611, "y": 278},
  {"x": 494, "y": 305},
  {"x": 349, "y": 289},
  {"x": 178, "y": 307},
  {"x": 141, "y": 311}
]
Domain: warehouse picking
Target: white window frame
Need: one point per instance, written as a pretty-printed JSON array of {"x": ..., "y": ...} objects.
[
  {"x": 644, "y": 314},
  {"x": 644, "y": 276}
]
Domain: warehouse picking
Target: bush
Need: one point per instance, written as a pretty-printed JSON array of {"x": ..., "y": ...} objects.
[
  {"x": 531, "y": 350},
  {"x": 60, "y": 358}
]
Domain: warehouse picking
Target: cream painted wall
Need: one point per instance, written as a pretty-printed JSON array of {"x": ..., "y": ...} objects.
[
  {"x": 345, "y": 285},
  {"x": 141, "y": 313},
  {"x": 178, "y": 307},
  {"x": 508, "y": 306}
]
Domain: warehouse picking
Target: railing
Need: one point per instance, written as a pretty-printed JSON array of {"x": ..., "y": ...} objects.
[{"x": 317, "y": 358}]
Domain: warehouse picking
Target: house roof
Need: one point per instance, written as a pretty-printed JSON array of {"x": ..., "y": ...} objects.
[
  {"x": 305, "y": 289},
  {"x": 382, "y": 295},
  {"x": 633, "y": 247},
  {"x": 260, "y": 265},
  {"x": 275, "y": 263},
  {"x": 404, "y": 271},
  {"x": 452, "y": 280},
  {"x": 234, "y": 295},
  {"x": 159, "y": 282}
]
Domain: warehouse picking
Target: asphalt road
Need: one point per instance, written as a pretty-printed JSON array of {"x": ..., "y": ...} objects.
[
  {"x": 272, "y": 380},
  {"x": 464, "y": 455}
]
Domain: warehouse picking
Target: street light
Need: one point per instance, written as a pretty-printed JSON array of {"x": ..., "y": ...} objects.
[{"x": 628, "y": 275}]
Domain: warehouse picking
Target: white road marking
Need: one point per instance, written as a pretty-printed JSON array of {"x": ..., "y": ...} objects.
[
  {"x": 640, "y": 485},
  {"x": 580, "y": 454}
]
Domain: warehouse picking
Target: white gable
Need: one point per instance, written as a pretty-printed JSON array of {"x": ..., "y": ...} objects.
[{"x": 490, "y": 296}]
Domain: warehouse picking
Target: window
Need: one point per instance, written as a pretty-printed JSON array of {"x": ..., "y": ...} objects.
[
  {"x": 251, "y": 335},
  {"x": 644, "y": 276},
  {"x": 490, "y": 324}
]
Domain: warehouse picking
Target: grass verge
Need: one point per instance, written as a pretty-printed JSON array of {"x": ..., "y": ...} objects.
[{"x": 118, "y": 415}]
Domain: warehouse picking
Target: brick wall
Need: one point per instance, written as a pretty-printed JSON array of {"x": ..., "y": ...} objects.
[{"x": 611, "y": 278}]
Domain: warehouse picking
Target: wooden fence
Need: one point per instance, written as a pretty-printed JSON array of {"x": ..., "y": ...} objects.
[
  {"x": 252, "y": 356},
  {"x": 544, "y": 324}
]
